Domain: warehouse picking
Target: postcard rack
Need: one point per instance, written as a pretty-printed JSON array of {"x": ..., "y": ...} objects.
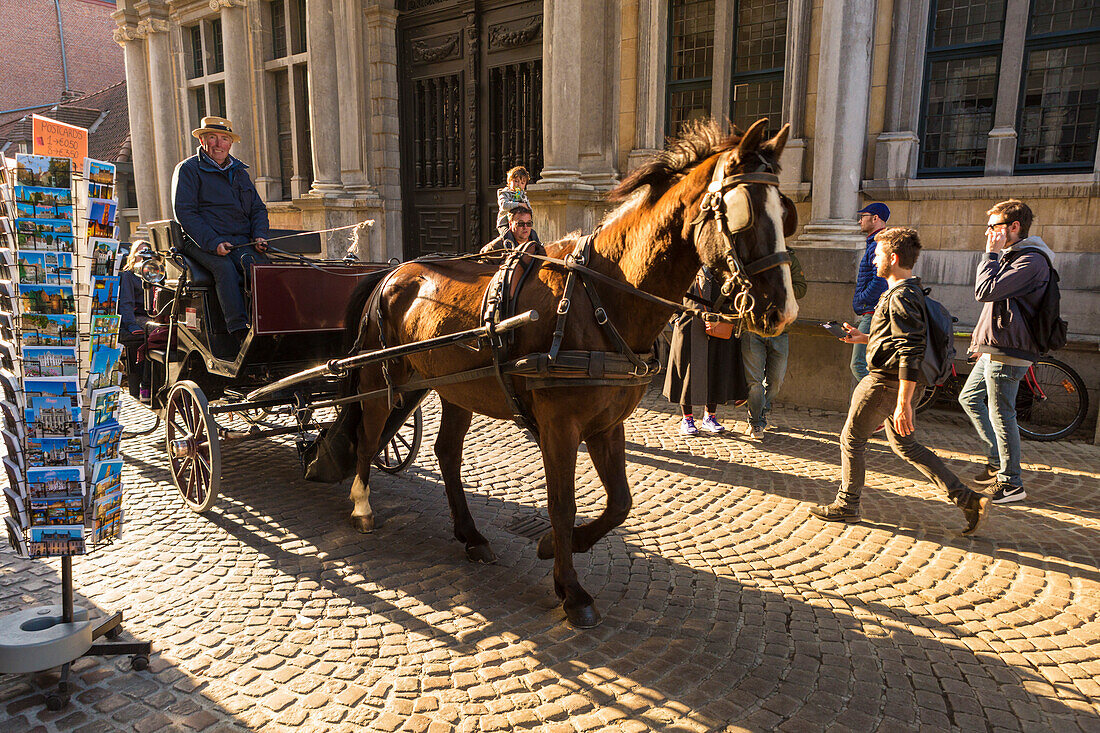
[{"x": 59, "y": 287}]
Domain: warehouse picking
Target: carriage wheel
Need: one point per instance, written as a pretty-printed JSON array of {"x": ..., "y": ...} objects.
[
  {"x": 194, "y": 453},
  {"x": 401, "y": 451}
]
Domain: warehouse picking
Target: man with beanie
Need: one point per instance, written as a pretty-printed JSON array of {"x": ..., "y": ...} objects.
[
  {"x": 1011, "y": 279},
  {"x": 869, "y": 286}
]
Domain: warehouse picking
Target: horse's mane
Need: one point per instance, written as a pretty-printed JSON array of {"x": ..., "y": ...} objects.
[{"x": 697, "y": 141}]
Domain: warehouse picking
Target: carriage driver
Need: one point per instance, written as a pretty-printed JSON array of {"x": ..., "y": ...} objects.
[{"x": 218, "y": 206}]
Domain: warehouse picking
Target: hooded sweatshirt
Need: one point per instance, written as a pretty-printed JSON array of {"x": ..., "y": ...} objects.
[{"x": 1010, "y": 285}]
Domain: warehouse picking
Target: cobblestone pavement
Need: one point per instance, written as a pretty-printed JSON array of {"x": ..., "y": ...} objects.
[{"x": 723, "y": 606}]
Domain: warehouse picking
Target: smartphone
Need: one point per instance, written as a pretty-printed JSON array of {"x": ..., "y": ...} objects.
[{"x": 835, "y": 329}]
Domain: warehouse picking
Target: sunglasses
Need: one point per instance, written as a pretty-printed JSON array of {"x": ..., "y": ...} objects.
[{"x": 525, "y": 224}]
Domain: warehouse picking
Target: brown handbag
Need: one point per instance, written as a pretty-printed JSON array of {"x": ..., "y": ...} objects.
[{"x": 718, "y": 329}]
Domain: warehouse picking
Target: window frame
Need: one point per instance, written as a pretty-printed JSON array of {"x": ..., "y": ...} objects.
[
  {"x": 685, "y": 85},
  {"x": 295, "y": 65},
  {"x": 205, "y": 83},
  {"x": 775, "y": 73}
]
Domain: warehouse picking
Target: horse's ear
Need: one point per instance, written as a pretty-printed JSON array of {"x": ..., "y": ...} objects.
[
  {"x": 779, "y": 142},
  {"x": 750, "y": 141},
  {"x": 790, "y": 216}
]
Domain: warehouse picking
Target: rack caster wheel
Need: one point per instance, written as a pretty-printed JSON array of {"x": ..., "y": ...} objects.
[
  {"x": 139, "y": 662},
  {"x": 114, "y": 633},
  {"x": 63, "y": 688},
  {"x": 56, "y": 702}
]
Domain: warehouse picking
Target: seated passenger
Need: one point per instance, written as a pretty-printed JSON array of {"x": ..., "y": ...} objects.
[
  {"x": 520, "y": 234},
  {"x": 134, "y": 319},
  {"x": 218, "y": 206}
]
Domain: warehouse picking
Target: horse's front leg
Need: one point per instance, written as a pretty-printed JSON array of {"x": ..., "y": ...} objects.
[
  {"x": 453, "y": 425},
  {"x": 559, "y": 460},
  {"x": 608, "y": 453}
]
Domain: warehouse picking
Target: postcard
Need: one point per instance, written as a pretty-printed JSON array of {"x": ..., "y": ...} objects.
[
  {"x": 56, "y": 541},
  {"x": 103, "y": 443},
  {"x": 17, "y": 507},
  {"x": 101, "y": 218},
  {"x": 38, "y": 195},
  {"x": 51, "y": 452},
  {"x": 40, "y": 329},
  {"x": 53, "y": 300},
  {"x": 106, "y": 477},
  {"x": 103, "y": 363},
  {"x": 15, "y": 537},
  {"x": 13, "y": 447},
  {"x": 26, "y": 210},
  {"x": 15, "y": 475},
  {"x": 109, "y": 526},
  {"x": 57, "y": 481},
  {"x": 101, "y": 179},
  {"x": 105, "y": 324},
  {"x": 50, "y": 361},
  {"x": 43, "y": 170},
  {"x": 104, "y": 254},
  {"x": 107, "y": 507},
  {"x": 10, "y": 387},
  {"x": 45, "y": 268},
  {"x": 104, "y": 296},
  {"x": 103, "y": 406},
  {"x": 52, "y": 417},
  {"x": 7, "y": 355},
  {"x": 63, "y": 388},
  {"x": 12, "y": 423},
  {"x": 57, "y": 510},
  {"x": 101, "y": 339}
]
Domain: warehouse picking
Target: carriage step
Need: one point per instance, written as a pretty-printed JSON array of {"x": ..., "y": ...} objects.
[{"x": 531, "y": 527}]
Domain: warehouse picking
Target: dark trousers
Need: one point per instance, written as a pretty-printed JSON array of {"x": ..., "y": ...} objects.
[
  {"x": 137, "y": 375},
  {"x": 230, "y": 275},
  {"x": 873, "y": 403}
]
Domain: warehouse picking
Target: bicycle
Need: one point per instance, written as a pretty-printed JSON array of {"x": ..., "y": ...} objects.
[{"x": 1051, "y": 404}]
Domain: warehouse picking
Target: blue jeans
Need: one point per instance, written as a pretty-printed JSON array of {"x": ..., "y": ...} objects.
[
  {"x": 859, "y": 351},
  {"x": 230, "y": 274},
  {"x": 989, "y": 399},
  {"x": 765, "y": 361}
]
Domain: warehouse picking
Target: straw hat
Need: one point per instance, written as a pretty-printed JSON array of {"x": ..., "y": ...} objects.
[{"x": 217, "y": 124}]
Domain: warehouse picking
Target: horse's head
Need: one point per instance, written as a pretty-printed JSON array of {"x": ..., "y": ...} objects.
[{"x": 738, "y": 226}]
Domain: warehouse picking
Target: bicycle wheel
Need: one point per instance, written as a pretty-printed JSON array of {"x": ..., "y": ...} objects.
[
  {"x": 925, "y": 398},
  {"x": 1052, "y": 401}
]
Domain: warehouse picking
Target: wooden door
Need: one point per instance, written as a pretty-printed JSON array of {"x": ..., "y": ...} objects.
[{"x": 470, "y": 108}]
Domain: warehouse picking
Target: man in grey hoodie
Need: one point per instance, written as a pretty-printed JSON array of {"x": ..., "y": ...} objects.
[{"x": 1011, "y": 279}]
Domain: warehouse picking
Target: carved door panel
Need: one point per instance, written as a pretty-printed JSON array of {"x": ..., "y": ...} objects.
[{"x": 470, "y": 78}]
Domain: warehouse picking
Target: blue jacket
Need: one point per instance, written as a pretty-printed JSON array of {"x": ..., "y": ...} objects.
[
  {"x": 131, "y": 303},
  {"x": 869, "y": 286},
  {"x": 215, "y": 205}
]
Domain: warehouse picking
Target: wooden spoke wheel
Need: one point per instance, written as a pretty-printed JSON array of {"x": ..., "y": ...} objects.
[
  {"x": 194, "y": 453},
  {"x": 400, "y": 452}
]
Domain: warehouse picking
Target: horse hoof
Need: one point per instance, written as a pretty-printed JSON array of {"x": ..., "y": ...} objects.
[
  {"x": 362, "y": 524},
  {"x": 546, "y": 547},
  {"x": 583, "y": 617},
  {"x": 481, "y": 553}
]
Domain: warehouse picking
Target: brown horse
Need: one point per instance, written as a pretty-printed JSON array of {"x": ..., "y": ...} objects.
[{"x": 650, "y": 242}]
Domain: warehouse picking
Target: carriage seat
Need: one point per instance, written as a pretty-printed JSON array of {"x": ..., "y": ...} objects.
[
  {"x": 197, "y": 275},
  {"x": 169, "y": 239}
]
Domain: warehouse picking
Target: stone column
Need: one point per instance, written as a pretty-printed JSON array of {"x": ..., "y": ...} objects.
[
  {"x": 385, "y": 128},
  {"x": 1000, "y": 152},
  {"x": 354, "y": 119},
  {"x": 649, "y": 121},
  {"x": 565, "y": 67},
  {"x": 799, "y": 15},
  {"x": 843, "y": 98},
  {"x": 238, "y": 82},
  {"x": 141, "y": 138},
  {"x": 897, "y": 145},
  {"x": 162, "y": 89},
  {"x": 324, "y": 100}
]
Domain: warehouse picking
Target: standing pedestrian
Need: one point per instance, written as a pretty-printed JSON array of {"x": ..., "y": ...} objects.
[
  {"x": 869, "y": 286},
  {"x": 765, "y": 360},
  {"x": 702, "y": 369},
  {"x": 895, "y": 350},
  {"x": 1011, "y": 279}
]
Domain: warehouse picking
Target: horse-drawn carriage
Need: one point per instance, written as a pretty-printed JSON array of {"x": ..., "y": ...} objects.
[
  {"x": 711, "y": 199},
  {"x": 202, "y": 373}
]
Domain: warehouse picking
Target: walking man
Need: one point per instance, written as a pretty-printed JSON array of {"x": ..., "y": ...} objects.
[
  {"x": 895, "y": 349},
  {"x": 1011, "y": 279},
  {"x": 765, "y": 360},
  {"x": 869, "y": 286}
]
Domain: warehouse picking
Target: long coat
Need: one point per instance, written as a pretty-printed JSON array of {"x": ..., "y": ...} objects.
[
  {"x": 703, "y": 370},
  {"x": 215, "y": 205}
]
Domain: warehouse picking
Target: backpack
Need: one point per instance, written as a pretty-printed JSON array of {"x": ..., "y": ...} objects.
[
  {"x": 1047, "y": 328},
  {"x": 939, "y": 342}
]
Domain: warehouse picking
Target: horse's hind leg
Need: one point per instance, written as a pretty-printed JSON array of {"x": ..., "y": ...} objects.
[
  {"x": 608, "y": 453},
  {"x": 453, "y": 425},
  {"x": 369, "y": 430}
]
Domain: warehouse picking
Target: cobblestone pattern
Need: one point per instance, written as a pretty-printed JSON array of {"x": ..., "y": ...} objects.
[{"x": 723, "y": 606}]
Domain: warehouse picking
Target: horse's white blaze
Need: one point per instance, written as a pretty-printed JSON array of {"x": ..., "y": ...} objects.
[{"x": 774, "y": 210}]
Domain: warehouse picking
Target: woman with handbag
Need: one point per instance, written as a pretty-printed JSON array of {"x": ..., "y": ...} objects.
[{"x": 704, "y": 365}]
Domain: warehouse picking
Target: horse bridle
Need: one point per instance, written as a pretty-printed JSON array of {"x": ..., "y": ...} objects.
[{"x": 714, "y": 205}]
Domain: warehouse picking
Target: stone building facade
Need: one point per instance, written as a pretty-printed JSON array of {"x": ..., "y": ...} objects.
[{"x": 410, "y": 111}]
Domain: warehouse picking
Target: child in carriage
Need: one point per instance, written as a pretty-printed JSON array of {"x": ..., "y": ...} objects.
[{"x": 513, "y": 195}]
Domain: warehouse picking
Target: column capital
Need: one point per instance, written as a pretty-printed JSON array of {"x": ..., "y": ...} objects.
[
  {"x": 219, "y": 4},
  {"x": 379, "y": 15}
]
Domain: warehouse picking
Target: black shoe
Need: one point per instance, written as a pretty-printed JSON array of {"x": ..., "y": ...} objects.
[
  {"x": 986, "y": 476},
  {"x": 977, "y": 506},
  {"x": 239, "y": 336},
  {"x": 836, "y": 512},
  {"x": 1006, "y": 494}
]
